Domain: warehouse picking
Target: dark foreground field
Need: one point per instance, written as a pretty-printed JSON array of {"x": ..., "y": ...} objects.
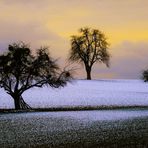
[{"x": 73, "y": 129}]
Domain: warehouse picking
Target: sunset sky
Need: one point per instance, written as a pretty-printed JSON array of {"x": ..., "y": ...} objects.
[{"x": 52, "y": 22}]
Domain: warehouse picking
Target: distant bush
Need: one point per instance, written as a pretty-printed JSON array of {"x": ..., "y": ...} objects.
[{"x": 145, "y": 75}]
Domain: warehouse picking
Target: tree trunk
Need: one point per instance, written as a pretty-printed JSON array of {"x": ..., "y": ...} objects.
[
  {"x": 20, "y": 104},
  {"x": 17, "y": 103},
  {"x": 88, "y": 71},
  {"x": 24, "y": 105}
]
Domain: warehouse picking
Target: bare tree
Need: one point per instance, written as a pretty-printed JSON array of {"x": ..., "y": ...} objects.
[
  {"x": 89, "y": 47},
  {"x": 20, "y": 70}
]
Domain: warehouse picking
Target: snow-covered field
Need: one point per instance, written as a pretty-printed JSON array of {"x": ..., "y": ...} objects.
[
  {"x": 85, "y": 93},
  {"x": 74, "y": 129}
]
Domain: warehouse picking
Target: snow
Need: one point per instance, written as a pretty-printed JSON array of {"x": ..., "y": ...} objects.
[
  {"x": 56, "y": 129},
  {"x": 86, "y": 116},
  {"x": 101, "y": 115},
  {"x": 85, "y": 93}
]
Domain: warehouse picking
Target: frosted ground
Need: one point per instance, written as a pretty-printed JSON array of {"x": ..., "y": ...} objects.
[
  {"x": 85, "y": 93},
  {"x": 75, "y": 129}
]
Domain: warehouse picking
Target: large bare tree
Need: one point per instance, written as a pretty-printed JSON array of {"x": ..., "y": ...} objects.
[
  {"x": 89, "y": 47},
  {"x": 20, "y": 70}
]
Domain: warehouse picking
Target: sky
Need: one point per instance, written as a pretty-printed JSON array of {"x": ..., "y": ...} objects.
[{"x": 52, "y": 23}]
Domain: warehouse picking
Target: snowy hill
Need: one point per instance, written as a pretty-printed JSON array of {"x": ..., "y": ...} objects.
[{"x": 85, "y": 93}]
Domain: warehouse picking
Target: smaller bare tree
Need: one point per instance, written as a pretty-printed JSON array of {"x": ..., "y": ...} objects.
[{"x": 88, "y": 48}]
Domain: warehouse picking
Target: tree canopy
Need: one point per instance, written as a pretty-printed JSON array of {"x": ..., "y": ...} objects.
[{"x": 89, "y": 47}]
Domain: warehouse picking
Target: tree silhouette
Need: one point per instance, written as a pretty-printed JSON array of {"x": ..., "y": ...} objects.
[
  {"x": 145, "y": 75},
  {"x": 88, "y": 48},
  {"x": 20, "y": 70}
]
